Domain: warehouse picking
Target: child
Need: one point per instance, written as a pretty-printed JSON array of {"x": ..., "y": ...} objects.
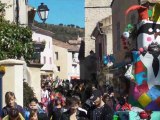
[
  {"x": 33, "y": 115},
  {"x": 10, "y": 103},
  {"x": 13, "y": 115}
]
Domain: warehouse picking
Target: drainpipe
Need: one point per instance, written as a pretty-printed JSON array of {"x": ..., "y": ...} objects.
[{"x": 17, "y": 12}]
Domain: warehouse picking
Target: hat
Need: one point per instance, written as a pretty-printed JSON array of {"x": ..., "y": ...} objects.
[
  {"x": 95, "y": 94},
  {"x": 142, "y": 11}
]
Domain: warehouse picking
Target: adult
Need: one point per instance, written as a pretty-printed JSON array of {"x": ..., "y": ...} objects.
[
  {"x": 44, "y": 94},
  {"x": 10, "y": 103},
  {"x": 102, "y": 111}
]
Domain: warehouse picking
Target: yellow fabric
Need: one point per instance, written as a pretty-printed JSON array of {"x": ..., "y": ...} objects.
[
  {"x": 144, "y": 100},
  {"x": 156, "y": 13},
  {"x": 7, "y": 117}
]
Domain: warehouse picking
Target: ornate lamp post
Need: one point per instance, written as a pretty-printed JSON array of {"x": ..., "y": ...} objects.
[{"x": 43, "y": 12}]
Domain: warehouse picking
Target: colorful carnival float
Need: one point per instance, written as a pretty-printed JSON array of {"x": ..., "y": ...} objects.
[{"x": 144, "y": 70}]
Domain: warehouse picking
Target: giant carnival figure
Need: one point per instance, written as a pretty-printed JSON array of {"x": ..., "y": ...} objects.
[{"x": 145, "y": 69}]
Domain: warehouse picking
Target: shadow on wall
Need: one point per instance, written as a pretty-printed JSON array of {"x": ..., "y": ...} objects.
[{"x": 88, "y": 65}]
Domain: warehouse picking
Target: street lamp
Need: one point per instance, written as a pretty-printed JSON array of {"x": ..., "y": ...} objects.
[{"x": 43, "y": 12}]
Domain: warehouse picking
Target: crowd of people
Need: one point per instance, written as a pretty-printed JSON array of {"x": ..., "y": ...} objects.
[{"x": 66, "y": 100}]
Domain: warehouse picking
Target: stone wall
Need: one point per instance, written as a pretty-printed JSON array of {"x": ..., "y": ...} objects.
[{"x": 95, "y": 11}]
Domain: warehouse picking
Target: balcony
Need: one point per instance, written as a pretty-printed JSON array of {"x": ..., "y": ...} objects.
[
  {"x": 39, "y": 46},
  {"x": 35, "y": 62}
]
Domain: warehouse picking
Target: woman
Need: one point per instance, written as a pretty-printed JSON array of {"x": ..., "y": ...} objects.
[
  {"x": 57, "y": 110},
  {"x": 73, "y": 113},
  {"x": 10, "y": 103}
]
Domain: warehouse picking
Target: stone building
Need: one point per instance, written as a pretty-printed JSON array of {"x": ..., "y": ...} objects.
[{"x": 95, "y": 11}]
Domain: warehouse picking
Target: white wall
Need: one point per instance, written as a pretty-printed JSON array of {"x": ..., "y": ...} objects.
[
  {"x": 48, "y": 51},
  {"x": 73, "y": 71},
  {"x": 23, "y": 12},
  {"x": 62, "y": 62},
  {"x": 11, "y": 11},
  {"x": 13, "y": 79},
  {"x": 69, "y": 68}
]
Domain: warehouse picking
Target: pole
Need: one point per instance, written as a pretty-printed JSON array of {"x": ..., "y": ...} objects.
[
  {"x": 17, "y": 12},
  {"x": 1, "y": 91}
]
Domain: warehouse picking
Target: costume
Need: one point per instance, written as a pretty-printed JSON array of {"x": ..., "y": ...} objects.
[{"x": 145, "y": 71}]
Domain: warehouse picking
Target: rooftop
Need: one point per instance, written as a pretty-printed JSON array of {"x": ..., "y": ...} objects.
[{"x": 67, "y": 46}]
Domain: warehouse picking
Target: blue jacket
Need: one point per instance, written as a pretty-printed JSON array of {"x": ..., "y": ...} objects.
[{"x": 5, "y": 110}]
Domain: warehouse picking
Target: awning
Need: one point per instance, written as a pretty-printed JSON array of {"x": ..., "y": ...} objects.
[
  {"x": 46, "y": 73},
  {"x": 75, "y": 77},
  {"x": 50, "y": 68}
]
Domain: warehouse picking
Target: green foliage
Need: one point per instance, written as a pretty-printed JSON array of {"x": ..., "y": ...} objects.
[
  {"x": 63, "y": 32},
  {"x": 15, "y": 41},
  {"x": 27, "y": 94}
]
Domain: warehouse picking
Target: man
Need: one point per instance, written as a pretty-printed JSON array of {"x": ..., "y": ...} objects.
[{"x": 101, "y": 111}]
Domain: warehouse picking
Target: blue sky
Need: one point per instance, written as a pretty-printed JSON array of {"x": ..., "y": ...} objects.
[{"x": 62, "y": 11}]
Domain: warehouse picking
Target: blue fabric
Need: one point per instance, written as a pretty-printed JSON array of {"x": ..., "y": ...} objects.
[
  {"x": 152, "y": 106},
  {"x": 133, "y": 116},
  {"x": 136, "y": 57},
  {"x": 123, "y": 115},
  {"x": 27, "y": 113},
  {"x": 155, "y": 115},
  {"x": 154, "y": 93},
  {"x": 139, "y": 78}
]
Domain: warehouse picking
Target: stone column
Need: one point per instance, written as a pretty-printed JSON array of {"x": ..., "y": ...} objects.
[{"x": 13, "y": 79}]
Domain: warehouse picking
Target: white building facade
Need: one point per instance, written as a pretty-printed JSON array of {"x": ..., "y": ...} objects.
[
  {"x": 11, "y": 11},
  {"x": 46, "y": 56},
  {"x": 73, "y": 65},
  {"x": 66, "y": 60}
]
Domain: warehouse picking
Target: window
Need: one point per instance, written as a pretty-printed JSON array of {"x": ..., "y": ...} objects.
[
  {"x": 56, "y": 53},
  {"x": 74, "y": 67},
  {"x": 50, "y": 60},
  {"x": 44, "y": 60},
  {"x": 49, "y": 45},
  {"x": 73, "y": 55},
  {"x": 58, "y": 67},
  {"x": 26, "y": 1}
]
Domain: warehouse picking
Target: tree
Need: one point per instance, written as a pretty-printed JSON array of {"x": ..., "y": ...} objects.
[
  {"x": 27, "y": 94},
  {"x": 15, "y": 41}
]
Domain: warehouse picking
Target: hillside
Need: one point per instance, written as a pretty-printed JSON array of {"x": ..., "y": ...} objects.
[{"x": 63, "y": 32}]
